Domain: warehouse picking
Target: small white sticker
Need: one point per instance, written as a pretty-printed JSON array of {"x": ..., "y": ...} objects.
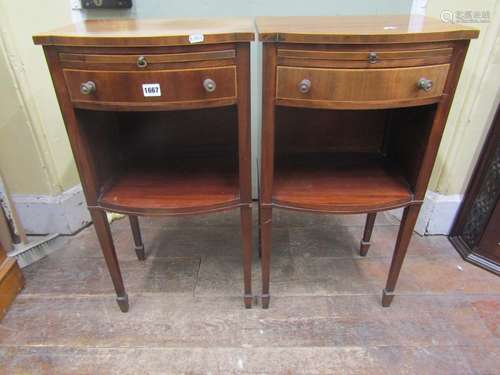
[
  {"x": 196, "y": 38},
  {"x": 151, "y": 89}
]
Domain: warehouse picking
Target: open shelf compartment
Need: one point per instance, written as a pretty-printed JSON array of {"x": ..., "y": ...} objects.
[
  {"x": 164, "y": 162},
  {"x": 344, "y": 181},
  {"x": 348, "y": 161},
  {"x": 184, "y": 183}
]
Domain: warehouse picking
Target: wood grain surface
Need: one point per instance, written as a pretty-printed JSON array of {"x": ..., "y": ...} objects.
[
  {"x": 360, "y": 29},
  {"x": 141, "y": 33}
]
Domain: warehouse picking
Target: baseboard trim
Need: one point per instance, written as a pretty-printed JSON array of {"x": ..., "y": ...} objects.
[
  {"x": 437, "y": 214},
  {"x": 65, "y": 213}
]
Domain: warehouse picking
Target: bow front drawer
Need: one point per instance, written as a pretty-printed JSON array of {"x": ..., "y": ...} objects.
[
  {"x": 161, "y": 89},
  {"x": 360, "y": 88}
]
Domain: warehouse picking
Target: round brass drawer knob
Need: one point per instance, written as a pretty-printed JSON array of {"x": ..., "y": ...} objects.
[
  {"x": 142, "y": 62},
  {"x": 87, "y": 88},
  {"x": 424, "y": 84},
  {"x": 304, "y": 86},
  {"x": 209, "y": 85}
]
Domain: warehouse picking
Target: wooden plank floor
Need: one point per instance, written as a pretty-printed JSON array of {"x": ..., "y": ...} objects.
[{"x": 187, "y": 317}]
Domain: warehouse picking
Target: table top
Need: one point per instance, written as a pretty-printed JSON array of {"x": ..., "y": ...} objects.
[
  {"x": 360, "y": 29},
  {"x": 151, "y": 32}
]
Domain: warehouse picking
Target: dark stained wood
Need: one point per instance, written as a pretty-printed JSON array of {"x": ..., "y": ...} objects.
[
  {"x": 367, "y": 234},
  {"x": 132, "y": 66},
  {"x": 136, "y": 233},
  {"x": 184, "y": 152},
  {"x": 102, "y": 135},
  {"x": 490, "y": 241},
  {"x": 246, "y": 243},
  {"x": 305, "y": 130},
  {"x": 266, "y": 218},
  {"x": 360, "y": 29},
  {"x": 267, "y": 166},
  {"x": 475, "y": 233},
  {"x": 377, "y": 148},
  {"x": 157, "y": 58},
  {"x": 410, "y": 215},
  {"x": 177, "y": 184},
  {"x": 244, "y": 125},
  {"x": 407, "y": 135},
  {"x": 375, "y": 104},
  {"x": 245, "y": 166},
  {"x": 146, "y": 33},
  {"x": 154, "y": 106},
  {"x": 397, "y": 57},
  {"x": 124, "y": 89},
  {"x": 359, "y": 88},
  {"x": 147, "y": 50},
  {"x": 3, "y": 254},
  {"x": 364, "y": 56},
  {"x": 151, "y": 59},
  {"x": 11, "y": 281},
  {"x": 439, "y": 120},
  {"x": 101, "y": 225},
  {"x": 77, "y": 138},
  {"x": 341, "y": 183},
  {"x": 268, "y": 122}
]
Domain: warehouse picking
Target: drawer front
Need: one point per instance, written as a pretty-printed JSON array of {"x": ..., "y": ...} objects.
[
  {"x": 146, "y": 61},
  {"x": 129, "y": 88},
  {"x": 368, "y": 57},
  {"x": 359, "y": 87}
]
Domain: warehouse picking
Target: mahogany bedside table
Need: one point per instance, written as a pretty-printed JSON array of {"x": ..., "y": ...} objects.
[
  {"x": 158, "y": 117},
  {"x": 353, "y": 112}
]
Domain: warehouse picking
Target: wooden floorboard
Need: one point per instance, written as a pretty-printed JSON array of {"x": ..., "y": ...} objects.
[
  {"x": 442, "y": 360},
  {"x": 187, "y": 317},
  {"x": 169, "y": 320}
]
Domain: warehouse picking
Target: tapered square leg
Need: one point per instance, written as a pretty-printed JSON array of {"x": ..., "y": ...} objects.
[
  {"x": 387, "y": 298},
  {"x": 136, "y": 233},
  {"x": 265, "y": 259},
  {"x": 259, "y": 235},
  {"x": 123, "y": 303},
  {"x": 246, "y": 238},
  {"x": 365, "y": 242},
  {"x": 408, "y": 221},
  {"x": 103, "y": 232}
]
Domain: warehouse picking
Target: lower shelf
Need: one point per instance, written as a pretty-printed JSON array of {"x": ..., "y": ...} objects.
[
  {"x": 182, "y": 185},
  {"x": 342, "y": 183}
]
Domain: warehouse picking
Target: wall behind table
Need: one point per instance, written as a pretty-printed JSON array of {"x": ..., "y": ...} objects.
[
  {"x": 34, "y": 96},
  {"x": 35, "y": 157}
]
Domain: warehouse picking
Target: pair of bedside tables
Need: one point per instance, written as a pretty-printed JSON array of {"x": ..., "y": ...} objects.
[{"x": 158, "y": 117}]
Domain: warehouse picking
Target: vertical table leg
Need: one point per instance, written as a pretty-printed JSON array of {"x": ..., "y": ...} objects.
[
  {"x": 365, "y": 242},
  {"x": 259, "y": 246},
  {"x": 408, "y": 221},
  {"x": 269, "y": 59},
  {"x": 265, "y": 259},
  {"x": 246, "y": 238},
  {"x": 136, "y": 233},
  {"x": 101, "y": 226}
]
